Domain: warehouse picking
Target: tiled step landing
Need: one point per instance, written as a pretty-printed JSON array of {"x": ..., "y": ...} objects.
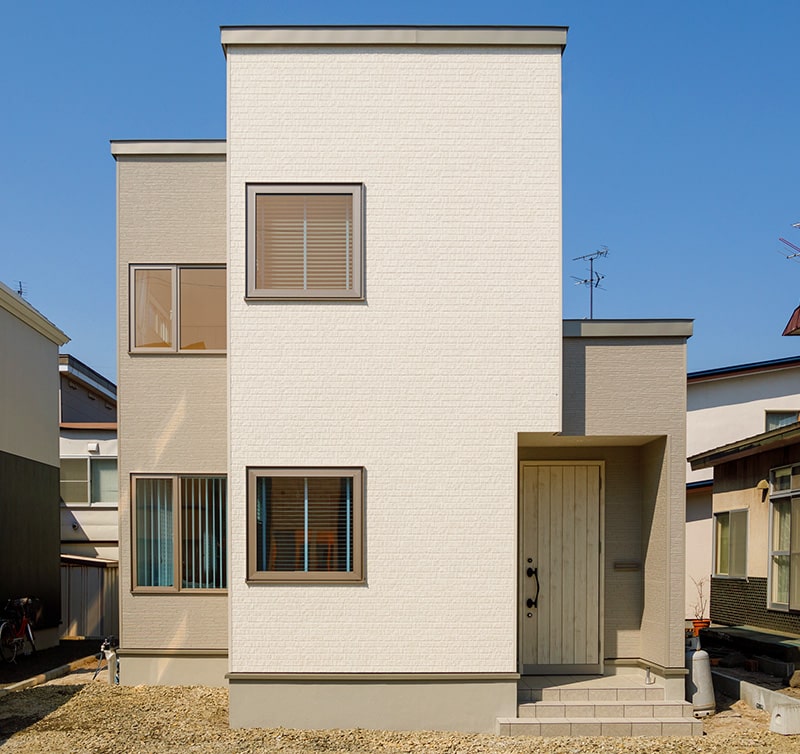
[{"x": 604, "y": 706}]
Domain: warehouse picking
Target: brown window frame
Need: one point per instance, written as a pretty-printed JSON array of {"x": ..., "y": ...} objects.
[
  {"x": 175, "y": 347},
  {"x": 356, "y": 293},
  {"x": 356, "y": 574},
  {"x": 177, "y": 539}
]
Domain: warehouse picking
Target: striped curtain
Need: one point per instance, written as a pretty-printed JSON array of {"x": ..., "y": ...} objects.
[
  {"x": 154, "y": 533},
  {"x": 203, "y": 532}
]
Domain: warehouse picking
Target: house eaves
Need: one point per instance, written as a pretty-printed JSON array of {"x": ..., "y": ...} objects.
[
  {"x": 18, "y": 307},
  {"x": 739, "y": 370},
  {"x": 749, "y": 446},
  {"x": 431, "y": 36},
  {"x": 88, "y": 377}
]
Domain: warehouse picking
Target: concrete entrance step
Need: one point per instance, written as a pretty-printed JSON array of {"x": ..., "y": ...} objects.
[
  {"x": 593, "y": 726},
  {"x": 618, "y": 690},
  {"x": 602, "y": 710}
]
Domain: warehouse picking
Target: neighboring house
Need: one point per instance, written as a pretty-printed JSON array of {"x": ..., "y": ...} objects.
[
  {"x": 29, "y": 528},
  {"x": 724, "y": 405},
  {"x": 368, "y": 476},
  {"x": 89, "y": 500},
  {"x": 756, "y": 529}
]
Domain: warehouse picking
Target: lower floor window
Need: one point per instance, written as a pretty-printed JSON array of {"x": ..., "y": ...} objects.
[
  {"x": 730, "y": 556},
  {"x": 784, "y": 589},
  {"x": 305, "y": 524},
  {"x": 180, "y": 532}
]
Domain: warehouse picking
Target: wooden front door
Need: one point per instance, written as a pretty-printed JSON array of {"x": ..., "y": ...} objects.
[{"x": 560, "y": 574}]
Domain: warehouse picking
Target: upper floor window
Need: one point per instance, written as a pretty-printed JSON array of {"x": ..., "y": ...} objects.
[
  {"x": 777, "y": 419},
  {"x": 304, "y": 241},
  {"x": 89, "y": 480},
  {"x": 178, "y": 308}
]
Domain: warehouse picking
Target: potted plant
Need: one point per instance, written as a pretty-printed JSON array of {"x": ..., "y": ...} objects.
[{"x": 701, "y": 606}]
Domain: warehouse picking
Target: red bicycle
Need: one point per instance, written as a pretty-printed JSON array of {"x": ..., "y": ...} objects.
[{"x": 16, "y": 628}]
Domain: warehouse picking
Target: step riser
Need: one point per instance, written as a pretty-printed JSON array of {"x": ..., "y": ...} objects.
[
  {"x": 606, "y": 709},
  {"x": 655, "y": 694},
  {"x": 607, "y": 727}
]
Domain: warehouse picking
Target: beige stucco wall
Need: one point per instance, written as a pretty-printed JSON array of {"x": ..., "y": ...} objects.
[
  {"x": 699, "y": 555},
  {"x": 426, "y": 384},
  {"x": 172, "y": 407},
  {"x": 730, "y": 407},
  {"x": 28, "y": 391},
  {"x": 735, "y": 489},
  {"x": 629, "y": 386}
]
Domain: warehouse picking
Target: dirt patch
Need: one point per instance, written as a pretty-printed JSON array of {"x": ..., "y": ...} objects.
[{"x": 76, "y": 714}]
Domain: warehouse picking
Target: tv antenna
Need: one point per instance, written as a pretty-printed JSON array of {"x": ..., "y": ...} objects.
[
  {"x": 21, "y": 288},
  {"x": 795, "y": 250},
  {"x": 593, "y": 281}
]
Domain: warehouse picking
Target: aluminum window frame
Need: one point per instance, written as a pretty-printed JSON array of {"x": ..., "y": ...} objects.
[
  {"x": 732, "y": 576},
  {"x": 356, "y": 190},
  {"x": 175, "y": 269},
  {"x": 177, "y": 539},
  {"x": 89, "y": 460},
  {"x": 787, "y": 494},
  {"x": 356, "y": 575}
]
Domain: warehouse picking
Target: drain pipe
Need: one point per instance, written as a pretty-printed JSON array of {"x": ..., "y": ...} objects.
[{"x": 648, "y": 678}]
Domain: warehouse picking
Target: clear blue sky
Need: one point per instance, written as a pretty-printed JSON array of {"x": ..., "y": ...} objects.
[{"x": 681, "y": 124}]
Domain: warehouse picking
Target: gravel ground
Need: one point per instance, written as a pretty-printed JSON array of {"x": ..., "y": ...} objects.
[{"x": 75, "y": 715}]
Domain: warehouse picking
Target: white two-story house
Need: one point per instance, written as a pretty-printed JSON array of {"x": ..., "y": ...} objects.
[{"x": 368, "y": 476}]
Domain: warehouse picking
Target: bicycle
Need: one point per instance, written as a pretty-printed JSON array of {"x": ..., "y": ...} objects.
[{"x": 16, "y": 629}]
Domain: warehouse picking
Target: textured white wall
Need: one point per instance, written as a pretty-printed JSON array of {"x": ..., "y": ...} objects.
[
  {"x": 726, "y": 410},
  {"x": 456, "y": 349}
]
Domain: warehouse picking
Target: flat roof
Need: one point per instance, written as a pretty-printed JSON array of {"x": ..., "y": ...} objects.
[
  {"x": 174, "y": 147},
  {"x": 485, "y": 36},
  {"x": 628, "y": 328}
]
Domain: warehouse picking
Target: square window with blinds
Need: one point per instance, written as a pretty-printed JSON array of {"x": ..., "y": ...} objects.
[
  {"x": 304, "y": 241},
  {"x": 305, "y": 525}
]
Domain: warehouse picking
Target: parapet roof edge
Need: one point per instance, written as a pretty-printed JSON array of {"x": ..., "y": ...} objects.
[
  {"x": 627, "y": 328},
  {"x": 14, "y": 304},
  {"x": 493, "y": 36},
  {"x": 151, "y": 147}
]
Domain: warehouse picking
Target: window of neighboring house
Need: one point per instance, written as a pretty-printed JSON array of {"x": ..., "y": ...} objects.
[
  {"x": 179, "y": 532},
  {"x": 304, "y": 241},
  {"x": 730, "y": 556},
  {"x": 305, "y": 524},
  {"x": 777, "y": 419},
  {"x": 89, "y": 480},
  {"x": 784, "y": 569},
  {"x": 178, "y": 308}
]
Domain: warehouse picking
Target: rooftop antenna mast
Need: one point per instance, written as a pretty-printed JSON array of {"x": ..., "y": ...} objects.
[
  {"x": 795, "y": 253},
  {"x": 21, "y": 288},
  {"x": 593, "y": 281}
]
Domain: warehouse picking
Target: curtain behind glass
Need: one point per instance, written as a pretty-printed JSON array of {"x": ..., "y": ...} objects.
[{"x": 154, "y": 532}]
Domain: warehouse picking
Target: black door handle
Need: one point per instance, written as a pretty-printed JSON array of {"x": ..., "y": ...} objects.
[{"x": 533, "y": 572}]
